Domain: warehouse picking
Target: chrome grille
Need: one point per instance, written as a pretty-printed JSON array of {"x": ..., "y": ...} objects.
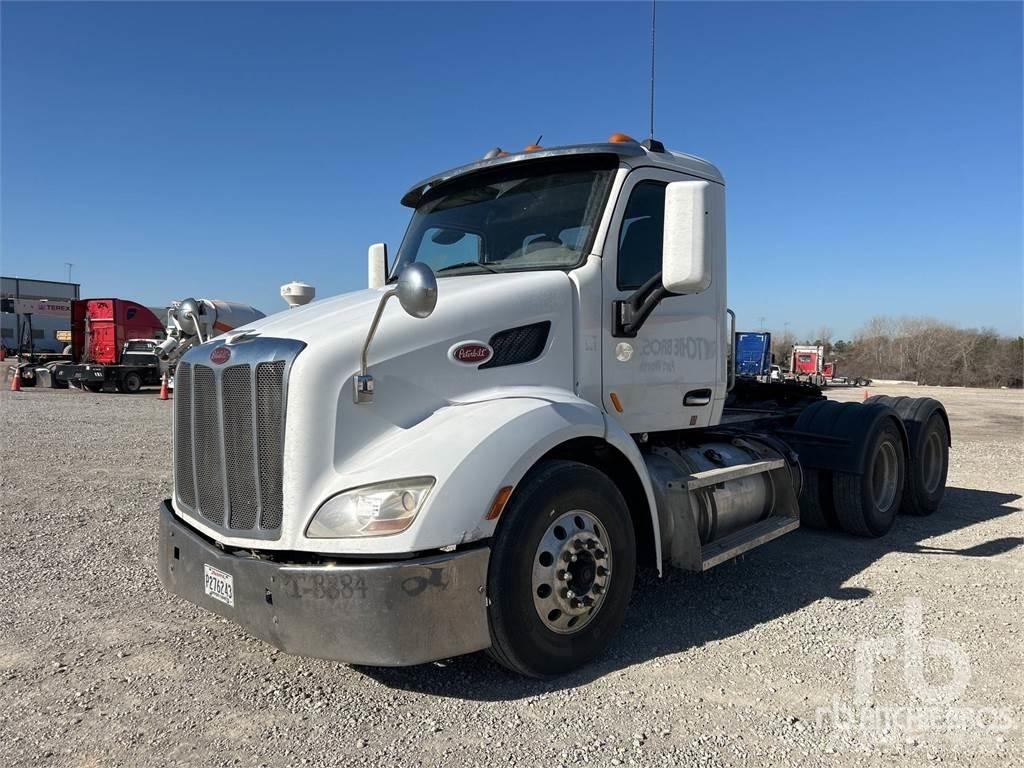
[
  {"x": 229, "y": 436},
  {"x": 243, "y": 498},
  {"x": 184, "y": 480},
  {"x": 269, "y": 383},
  {"x": 207, "y": 443}
]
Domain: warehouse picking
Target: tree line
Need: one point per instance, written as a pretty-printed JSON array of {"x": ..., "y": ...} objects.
[{"x": 920, "y": 349}]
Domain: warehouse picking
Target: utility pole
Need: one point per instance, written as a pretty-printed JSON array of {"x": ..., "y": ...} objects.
[
  {"x": 68, "y": 265},
  {"x": 762, "y": 322}
]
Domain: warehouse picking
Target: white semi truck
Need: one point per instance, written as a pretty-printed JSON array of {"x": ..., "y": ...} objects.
[{"x": 549, "y": 404}]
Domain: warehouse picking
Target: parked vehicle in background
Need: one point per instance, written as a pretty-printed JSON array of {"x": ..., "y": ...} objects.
[
  {"x": 753, "y": 354},
  {"x": 806, "y": 362},
  {"x": 549, "y": 404},
  {"x": 113, "y": 343}
]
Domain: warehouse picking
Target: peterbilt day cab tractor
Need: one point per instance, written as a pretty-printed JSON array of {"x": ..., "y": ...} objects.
[{"x": 549, "y": 404}]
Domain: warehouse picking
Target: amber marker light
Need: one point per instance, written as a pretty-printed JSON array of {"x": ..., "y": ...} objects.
[
  {"x": 500, "y": 499},
  {"x": 615, "y": 402}
]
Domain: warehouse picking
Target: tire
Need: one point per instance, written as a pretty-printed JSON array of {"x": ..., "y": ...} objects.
[
  {"x": 130, "y": 383},
  {"x": 816, "y": 507},
  {"x": 93, "y": 386},
  {"x": 928, "y": 463},
  {"x": 866, "y": 504},
  {"x": 527, "y": 554}
]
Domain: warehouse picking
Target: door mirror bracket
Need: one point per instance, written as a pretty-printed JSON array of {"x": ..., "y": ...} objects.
[{"x": 632, "y": 312}]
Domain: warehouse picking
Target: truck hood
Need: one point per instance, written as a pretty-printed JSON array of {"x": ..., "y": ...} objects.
[{"x": 411, "y": 359}]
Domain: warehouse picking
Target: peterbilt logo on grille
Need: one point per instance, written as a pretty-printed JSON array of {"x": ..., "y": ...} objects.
[
  {"x": 220, "y": 355},
  {"x": 470, "y": 352}
]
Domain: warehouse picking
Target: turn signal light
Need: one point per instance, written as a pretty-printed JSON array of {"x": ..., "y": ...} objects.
[{"x": 500, "y": 499}]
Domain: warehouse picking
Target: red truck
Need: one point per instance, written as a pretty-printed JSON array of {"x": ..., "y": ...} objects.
[{"x": 112, "y": 341}]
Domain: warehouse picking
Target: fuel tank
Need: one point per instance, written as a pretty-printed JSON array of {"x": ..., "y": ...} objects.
[{"x": 690, "y": 519}]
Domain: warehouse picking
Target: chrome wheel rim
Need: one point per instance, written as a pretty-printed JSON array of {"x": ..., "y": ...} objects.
[
  {"x": 885, "y": 477},
  {"x": 572, "y": 570},
  {"x": 932, "y": 459}
]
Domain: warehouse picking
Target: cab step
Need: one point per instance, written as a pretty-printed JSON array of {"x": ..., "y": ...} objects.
[{"x": 737, "y": 543}]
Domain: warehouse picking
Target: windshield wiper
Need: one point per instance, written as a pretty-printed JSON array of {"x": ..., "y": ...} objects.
[{"x": 463, "y": 264}]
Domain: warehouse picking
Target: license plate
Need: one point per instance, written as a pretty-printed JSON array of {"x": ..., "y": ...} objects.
[{"x": 219, "y": 585}]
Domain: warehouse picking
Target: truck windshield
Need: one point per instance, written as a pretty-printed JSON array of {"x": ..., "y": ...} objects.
[{"x": 534, "y": 215}]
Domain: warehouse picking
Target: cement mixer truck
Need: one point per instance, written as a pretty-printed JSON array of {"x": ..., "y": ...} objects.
[{"x": 195, "y": 321}]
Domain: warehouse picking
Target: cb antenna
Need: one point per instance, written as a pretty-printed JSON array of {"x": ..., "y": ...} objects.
[{"x": 654, "y": 9}]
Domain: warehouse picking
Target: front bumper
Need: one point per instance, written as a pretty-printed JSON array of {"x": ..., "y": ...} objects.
[{"x": 379, "y": 614}]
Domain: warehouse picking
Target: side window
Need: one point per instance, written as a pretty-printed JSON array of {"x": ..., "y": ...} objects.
[{"x": 641, "y": 235}]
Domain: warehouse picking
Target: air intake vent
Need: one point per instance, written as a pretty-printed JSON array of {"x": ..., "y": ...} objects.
[{"x": 518, "y": 345}]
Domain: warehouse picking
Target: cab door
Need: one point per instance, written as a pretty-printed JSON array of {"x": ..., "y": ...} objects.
[{"x": 671, "y": 374}]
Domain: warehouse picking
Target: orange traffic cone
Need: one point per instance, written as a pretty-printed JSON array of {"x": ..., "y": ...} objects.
[
  {"x": 865, "y": 394},
  {"x": 163, "y": 387},
  {"x": 16, "y": 381}
]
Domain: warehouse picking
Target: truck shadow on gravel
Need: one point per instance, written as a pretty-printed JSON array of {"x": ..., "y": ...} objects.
[{"x": 686, "y": 610}]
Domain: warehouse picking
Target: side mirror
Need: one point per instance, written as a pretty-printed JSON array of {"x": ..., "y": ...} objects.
[
  {"x": 417, "y": 289},
  {"x": 686, "y": 262},
  {"x": 417, "y": 293},
  {"x": 377, "y": 259}
]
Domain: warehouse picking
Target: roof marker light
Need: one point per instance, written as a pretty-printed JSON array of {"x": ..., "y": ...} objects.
[{"x": 621, "y": 138}]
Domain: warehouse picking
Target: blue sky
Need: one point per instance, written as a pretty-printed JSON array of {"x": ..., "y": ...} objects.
[{"x": 872, "y": 151}]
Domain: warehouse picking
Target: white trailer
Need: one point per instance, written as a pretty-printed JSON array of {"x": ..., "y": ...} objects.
[{"x": 485, "y": 462}]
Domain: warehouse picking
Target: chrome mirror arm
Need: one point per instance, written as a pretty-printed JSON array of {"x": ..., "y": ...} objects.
[{"x": 362, "y": 383}]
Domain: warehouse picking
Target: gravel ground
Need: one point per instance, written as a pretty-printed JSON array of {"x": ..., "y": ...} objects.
[{"x": 746, "y": 664}]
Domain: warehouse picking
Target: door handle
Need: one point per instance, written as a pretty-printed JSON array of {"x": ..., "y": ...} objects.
[{"x": 697, "y": 397}]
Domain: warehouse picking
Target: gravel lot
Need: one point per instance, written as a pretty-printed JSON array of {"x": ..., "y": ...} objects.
[{"x": 98, "y": 666}]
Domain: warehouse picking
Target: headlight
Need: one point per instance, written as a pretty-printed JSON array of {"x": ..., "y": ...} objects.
[{"x": 372, "y": 510}]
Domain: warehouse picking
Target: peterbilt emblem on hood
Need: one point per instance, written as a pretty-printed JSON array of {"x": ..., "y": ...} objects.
[
  {"x": 220, "y": 355},
  {"x": 470, "y": 352}
]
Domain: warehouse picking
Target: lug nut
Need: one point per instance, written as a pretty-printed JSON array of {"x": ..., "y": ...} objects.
[
  {"x": 599, "y": 554},
  {"x": 577, "y": 543},
  {"x": 570, "y": 594},
  {"x": 597, "y": 589},
  {"x": 588, "y": 601},
  {"x": 602, "y": 571},
  {"x": 574, "y": 604},
  {"x": 564, "y": 575},
  {"x": 573, "y": 559},
  {"x": 591, "y": 543},
  {"x": 566, "y": 556}
]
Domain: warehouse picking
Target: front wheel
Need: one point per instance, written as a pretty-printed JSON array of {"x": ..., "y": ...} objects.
[{"x": 561, "y": 571}]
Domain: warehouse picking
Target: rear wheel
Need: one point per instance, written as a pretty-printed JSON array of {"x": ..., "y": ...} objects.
[
  {"x": 929, "y": 465},
  {"x": 561, "y": 571},
  {"x": 866, "y": 504},
  {"x": 130, "y": 383},
  {"x": 816, "y": 507}
]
